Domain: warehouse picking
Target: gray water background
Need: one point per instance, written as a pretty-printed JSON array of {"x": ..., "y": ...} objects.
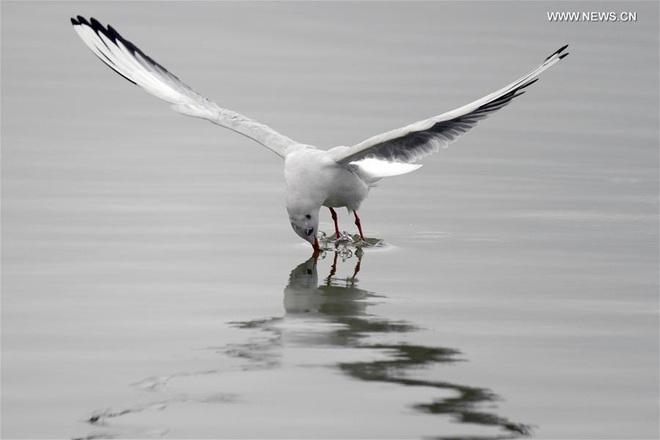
[{"x": 151, "y": 282}]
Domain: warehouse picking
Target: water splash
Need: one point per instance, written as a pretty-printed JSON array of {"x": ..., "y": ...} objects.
[{"x": 347, "y": 245}]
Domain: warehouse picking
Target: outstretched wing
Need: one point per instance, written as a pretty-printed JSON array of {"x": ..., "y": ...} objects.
[
  {"x": 130, "y": 62},
  {"x": 422, "y": 138}
]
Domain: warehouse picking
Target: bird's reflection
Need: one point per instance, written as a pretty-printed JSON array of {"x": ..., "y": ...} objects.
[
  {"x": 340, "y": 302},
  {"x": 329, "y": 312}
]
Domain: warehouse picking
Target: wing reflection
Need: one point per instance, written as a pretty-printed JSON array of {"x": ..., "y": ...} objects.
[{"x": 341, "y": 303}]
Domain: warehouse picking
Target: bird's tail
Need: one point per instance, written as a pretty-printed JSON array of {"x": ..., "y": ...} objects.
[{"x": 372, "y": 170}]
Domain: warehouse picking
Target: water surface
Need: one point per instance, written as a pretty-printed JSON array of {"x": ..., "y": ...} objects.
[{"x": 152, "y": 287}]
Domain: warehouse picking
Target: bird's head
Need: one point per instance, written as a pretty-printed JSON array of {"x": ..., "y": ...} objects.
[{"x": 305, "y": 224}]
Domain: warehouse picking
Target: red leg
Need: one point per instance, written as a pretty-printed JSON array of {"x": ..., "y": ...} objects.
[
  {"x": 317, "y": 247},
  {"x": 333, "y": 270},
  {"x": 333, "y": 213},
  {"x": 357, "y": 268},
  {"x": 359, "y": 225}
]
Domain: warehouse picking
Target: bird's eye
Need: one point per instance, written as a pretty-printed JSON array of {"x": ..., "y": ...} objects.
[
  {"x": 307, "y": 216},
  {"x": 309, "y": 231}
]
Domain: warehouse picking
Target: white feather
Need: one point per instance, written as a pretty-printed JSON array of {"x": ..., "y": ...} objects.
[{"x": 375, "y": 169}]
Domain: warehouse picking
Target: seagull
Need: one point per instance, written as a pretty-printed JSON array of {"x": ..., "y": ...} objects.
[{"x": 339, "y": 177}]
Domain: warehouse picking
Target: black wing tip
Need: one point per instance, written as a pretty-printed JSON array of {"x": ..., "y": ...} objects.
[
  {"x": 79, "y": 20},
  {"x": 113, "y": 34},
  {"x": 558, "y": 51},
  {"x": 97, "y": 26},
  {"x": 115, "y": 37},
  {"x": 93, "y": 23},
  {"x": 110, "y": 32}
]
